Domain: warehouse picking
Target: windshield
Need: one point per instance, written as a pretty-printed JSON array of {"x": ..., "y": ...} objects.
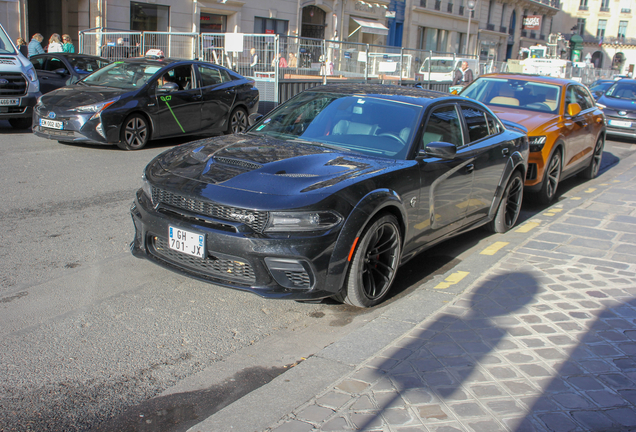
[
  {"x": 622, "y": 90},
  {"x": 438, "y": 65},
  {"x": 5, "y": 43},
  {"x": 364, "y": 124},
  {"x": 515, "y": 93},
  {"x": 86, "y": 65},
  {"x": 123, "y": 75}
]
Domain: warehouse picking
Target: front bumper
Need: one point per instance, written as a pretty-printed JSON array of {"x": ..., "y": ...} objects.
[
  {"x": 290, "y": 268},
  {"x": 627, "y": 128},
  {"x": 76, "y": 127},
  {"x": 22, "y": 110}
]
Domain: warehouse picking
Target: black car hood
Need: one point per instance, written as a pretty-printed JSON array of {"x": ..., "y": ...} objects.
[
  {"x": 618, "y": 104},
  {"x": 79, "y": 94},
  {"x": 268, "y": 166}
]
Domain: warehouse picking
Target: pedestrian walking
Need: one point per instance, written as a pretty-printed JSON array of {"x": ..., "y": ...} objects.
[
  {"x": 35, "y": 46},
  {"x": 55, "y": 44},
  {"x": 67, "y": 44},
  {"x": 22, "y": 46}
]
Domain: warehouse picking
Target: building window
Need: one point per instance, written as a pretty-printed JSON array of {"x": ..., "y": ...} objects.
[
  {"x": 210, "y": 23},
  {"x": 622, "y": 29},
  {"x": 605, "y": 4},
  {"x": 583, "y": 5},
  {"x": 600, "y": 30},
  {"x": 580, "y": 26},
  {"x": 149, "y": 17},
  {"x": 270, "y": 26}
]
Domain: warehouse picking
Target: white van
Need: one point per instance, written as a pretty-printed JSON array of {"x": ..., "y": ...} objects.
[
  {"x": 442, "y": 68},
  {"x": 19, "y": 85}
]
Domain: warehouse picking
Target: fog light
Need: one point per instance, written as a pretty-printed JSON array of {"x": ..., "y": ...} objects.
[{"x": 100, "y": 130}]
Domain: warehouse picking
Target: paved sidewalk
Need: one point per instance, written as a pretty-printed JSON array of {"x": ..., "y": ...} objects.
[{"x": 545, "y": 340}]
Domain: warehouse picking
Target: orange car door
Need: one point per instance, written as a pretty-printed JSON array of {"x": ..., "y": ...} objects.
[{"x": 575, "y": 131}]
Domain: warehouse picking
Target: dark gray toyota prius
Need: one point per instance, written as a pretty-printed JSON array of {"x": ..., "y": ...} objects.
[{"x": 330, "y": 193}]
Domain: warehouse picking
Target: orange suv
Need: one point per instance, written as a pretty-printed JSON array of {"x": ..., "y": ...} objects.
[{"x": 566, "y": 128}]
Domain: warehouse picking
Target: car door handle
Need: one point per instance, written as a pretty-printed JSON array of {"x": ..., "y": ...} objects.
[
  {"x": 505, "y": 151},
  {"x": 470, "y": 168}
]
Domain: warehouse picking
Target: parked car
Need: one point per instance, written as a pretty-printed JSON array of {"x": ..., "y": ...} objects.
[
  {"x": 565, "y": 127},
  {"x": 619, "y": 105},
  {"x": 330, "y": 193},
  {"x": 131, "y": 101},
  {"x": 19, "y": 85},
  {"x": 57, "y": 70},
  {"x": 598, "y": 87}
]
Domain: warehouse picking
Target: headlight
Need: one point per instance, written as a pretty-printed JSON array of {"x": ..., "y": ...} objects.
[
  {"x": 32, "y": 75},
  {"x": 95, "y": 108},
  {"x": 536, "y": 143},
  {"x": 302, "y": 221},
  {"x": 145, "y": 185}
]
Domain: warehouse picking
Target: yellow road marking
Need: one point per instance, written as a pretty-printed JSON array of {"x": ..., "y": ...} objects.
[
  {"x": 590, "y": 190},
  {"x": 452, "y": 280},
  {"x": 575, "y": 198},
  {"x": 553, "y": 212},
  {"x": 616, "y": 181},
  {"x": 527, "y": 227},
  {"x": 493, "y": 248},
  {"x": 604, "y": 184}
]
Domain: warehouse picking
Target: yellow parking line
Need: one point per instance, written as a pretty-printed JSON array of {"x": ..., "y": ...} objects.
[
  {"x": 493, "y": 248},
  {"x": 575, "y": 198},
  {"x": 590, "y": 190},
  {"x": 527, "y": 227},
  {"x": 452, "y": 280},
  {"x": 604, "y": 184},
  {"x": 553, "y": 212},
  {"x": 616, "y": 181}
]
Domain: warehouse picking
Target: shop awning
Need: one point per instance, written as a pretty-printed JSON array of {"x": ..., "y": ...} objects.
[{"x": 371, "y": 27}]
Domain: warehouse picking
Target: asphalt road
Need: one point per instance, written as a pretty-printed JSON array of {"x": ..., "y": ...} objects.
[{"x": 89, "y": 334}]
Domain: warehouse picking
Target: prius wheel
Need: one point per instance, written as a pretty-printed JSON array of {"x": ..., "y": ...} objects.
[
  {"x": 551, "y": 180},
  {"x": 374, "y": 263},
  {"x": 135, "y": 133},
  {"x": 510, "y": 205},
  {"x": 592, "y": 169},
  {"x": 238, "y": 121}
]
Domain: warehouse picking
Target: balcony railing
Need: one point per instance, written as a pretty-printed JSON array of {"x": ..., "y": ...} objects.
[
  {"x": 605, "y": 9},
  {"x": 542, "y": 37},
  {"x": 626, "y": 10},
  {"x": 524, "y": 33},
  {"x": 533, "y": 35},
  {"x": 423, "y": 3},
  {"x": 449, "y": 8},
  {"x": 583, "y": 7},
  {"x": 503, "y": 29},
  {"x": 438, "y": 5},
  {"x": 461, "y": 10},
  {"x": 511, "y": 31},
  {"x": 490, "y": 27}
]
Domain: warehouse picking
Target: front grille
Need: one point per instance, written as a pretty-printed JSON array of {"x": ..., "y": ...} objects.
[
  {"x": 55, "y": 132},
  {"x": 13, "y": 110},
  {"x": 256, "y": 220},
  {"x": 221, "y": 268},
  {"x": 298, "y": 279},
  {"x": 532, "y": 172},
  {"x": 16, "y": 84}
]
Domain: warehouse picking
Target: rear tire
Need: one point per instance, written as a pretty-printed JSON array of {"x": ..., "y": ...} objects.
[
  {"x": 510, "y": 205},
  {"x": 595, "y": 164},
  {"x": 374, "y": 264},
  {"x": 135, "y": 133},
  {"x": 21, "y": 123},
  {"x": 551, "y": 179},
  {"x": 238, "y": 122}
]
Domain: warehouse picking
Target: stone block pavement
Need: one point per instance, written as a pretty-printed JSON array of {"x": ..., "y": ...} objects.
[{"x": 543, "y": 340}]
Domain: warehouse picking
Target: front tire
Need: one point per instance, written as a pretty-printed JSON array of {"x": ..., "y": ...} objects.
[
  {"x": 21, "y": 123},
  {"x": 135, "y": 133},
  {"x": 238, "y": 122},
  {"x": 550, "y": 180},
  {"x": 510, "y": 205},
  {"x": 595, "y": 164},
  {"x": 374, "y": 264}
]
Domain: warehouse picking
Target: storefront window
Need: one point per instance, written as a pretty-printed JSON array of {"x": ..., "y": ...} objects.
[
  {"x": 270, "y": 26},
  {"x": 210, "y": 23},
  {"x": 149, "y": 17}
]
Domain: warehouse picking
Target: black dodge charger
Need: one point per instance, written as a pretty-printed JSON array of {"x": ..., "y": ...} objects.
[
  {"x": 330, "y": 193},
  {"x": 129, "y": 102}
]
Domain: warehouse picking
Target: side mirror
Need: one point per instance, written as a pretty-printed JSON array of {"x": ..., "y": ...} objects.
[
  {"x": 574, "y": 109},
  {"x": 254, "y": 117},
  {"x": 61, "y": 71},
  {"x": 439, "y": 149},
  {"x": 168, "y": 87},
  {"x": 455, "y": 92}
]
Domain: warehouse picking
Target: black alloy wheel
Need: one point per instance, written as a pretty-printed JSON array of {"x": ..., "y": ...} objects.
[
  {"x": 550, "y": 180},
  {"x": 135, "y": 133},
  {"x": 510, "y": 205},
  {"x": 595, "y": 164},
  {"x": 238, "y": 121},
  {"x": 374, "y": 264}
]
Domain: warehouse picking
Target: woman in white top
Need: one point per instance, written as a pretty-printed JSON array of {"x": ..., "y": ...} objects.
[{"x": 55, "y": 44}]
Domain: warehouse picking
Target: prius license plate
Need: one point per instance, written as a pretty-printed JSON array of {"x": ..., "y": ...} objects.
[
  {"x": 53, "y": 124},
  {"x": 187, "y": 242},
  {"x": 9, "y": 102},
  {"x": 620, "y": 123}
]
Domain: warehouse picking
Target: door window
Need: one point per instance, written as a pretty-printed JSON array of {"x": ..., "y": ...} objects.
[
  {"x": 54, "y": 64},
  {"x": 212, "y": 76},
  {"x": 443, "y": 125},
  {"x": 38, "y": 63},
  {"x": 575, "y": 95},
  {"x": 476, "y": 123},
  {"x": 181, "y": 75},
  {"x": 494, "y": 126}
]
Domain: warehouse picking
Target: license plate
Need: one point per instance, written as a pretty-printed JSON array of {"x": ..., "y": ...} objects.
[
  {"x": 53, "y": 124},
  {"x": 187, "y": 242},
  {"x": 9, "y": 102},
  {"x": 620, "y": 123}
]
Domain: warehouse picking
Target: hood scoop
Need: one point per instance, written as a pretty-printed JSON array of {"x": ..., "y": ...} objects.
[{"x": 237, "y": 162}]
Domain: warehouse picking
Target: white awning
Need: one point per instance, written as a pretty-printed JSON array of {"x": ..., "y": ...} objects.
[{"x": 371, "y": 27}]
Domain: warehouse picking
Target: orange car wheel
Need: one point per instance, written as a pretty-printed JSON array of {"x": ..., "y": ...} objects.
[{"x": 551, "y": 179}]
